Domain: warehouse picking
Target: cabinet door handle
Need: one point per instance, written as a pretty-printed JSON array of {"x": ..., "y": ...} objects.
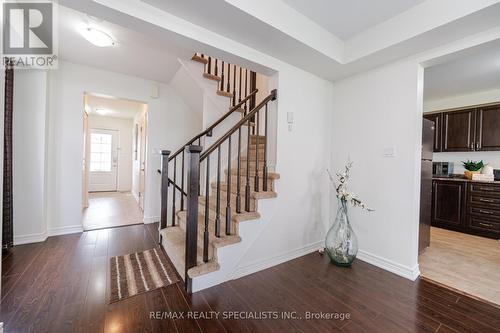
[
  {"x": 486, "y": 200},
  {"x": 486, "y": 212},
  {"x": 485, "y": 225},
  {"x": 472, "y": 146}
]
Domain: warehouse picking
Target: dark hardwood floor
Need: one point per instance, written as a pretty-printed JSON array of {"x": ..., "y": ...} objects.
[{"x": 62, "y": 286}]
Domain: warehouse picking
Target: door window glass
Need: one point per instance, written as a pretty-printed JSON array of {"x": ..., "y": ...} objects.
[{"x": 100, "y": 152}]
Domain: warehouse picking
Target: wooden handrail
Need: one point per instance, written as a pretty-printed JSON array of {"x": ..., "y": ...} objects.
[
  {"x": 242, "y": 122},
  {"x": 209, "y": 130}
]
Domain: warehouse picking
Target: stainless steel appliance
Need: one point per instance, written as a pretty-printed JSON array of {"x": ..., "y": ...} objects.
[
  {"x": 443, "y": 169},
  {"x": 424, "y": 237}
]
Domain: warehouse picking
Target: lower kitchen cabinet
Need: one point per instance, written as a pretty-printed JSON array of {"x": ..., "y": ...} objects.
[
  {"x": 466, "y": 206},
  {"x": 483, "y": 209},
  {"x": 448, "y": 204}
]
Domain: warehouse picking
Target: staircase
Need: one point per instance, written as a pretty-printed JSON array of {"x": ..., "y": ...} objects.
[{"x": 209, "y": 192}]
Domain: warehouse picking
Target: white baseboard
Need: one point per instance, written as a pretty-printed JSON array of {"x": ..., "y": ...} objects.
[
  {"x": 72, "y": 229},
  {"x": 42, "y": 237},
  {"x": 260, "y": 265},
  {"x": 410, "y": 273},
  {"x": 28, "y": 239},
  {"x": 151, "y": 219}
]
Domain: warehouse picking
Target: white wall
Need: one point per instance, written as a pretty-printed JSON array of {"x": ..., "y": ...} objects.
[
  {"x": 30, "y": 102},
  {"x": 125, "y": 143},
  {"x": 373, "y": 111},
  {"x": 491, "y": 157},
  {"x": 170, "y": 123}
]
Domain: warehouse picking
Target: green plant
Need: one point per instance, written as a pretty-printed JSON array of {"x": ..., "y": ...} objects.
[{"x": 473, "y": 165}]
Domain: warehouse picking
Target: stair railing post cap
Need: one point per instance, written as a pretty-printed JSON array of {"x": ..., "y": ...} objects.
[
  {"x": 165, "y": 152},
  {"x": 194, "y": 149}
]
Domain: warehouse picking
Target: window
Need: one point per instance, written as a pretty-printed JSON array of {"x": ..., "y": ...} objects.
[{"x": 100, "y": 152}]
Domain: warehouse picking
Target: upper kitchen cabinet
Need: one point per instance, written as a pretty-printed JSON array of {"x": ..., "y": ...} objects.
[
  {"x": 459, "y": 130},
  {"x": 437, "y": 119},
  {"x": 488, "y": 128}
]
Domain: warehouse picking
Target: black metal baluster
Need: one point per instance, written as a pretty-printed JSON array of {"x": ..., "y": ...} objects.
[
  {"x": 207, "y": 211},
  {"x": 238, "y": 174},
  {"x": 256, "y": 187},
  {"x": 173, "y": 191},
  {"x": 217, "y": 208},
  {"x": 228, "y": 88},
  {"x": 246, "y": 94},
  {"x": 222, "y": 78},
  {"x": 209, "y": 65},
  {"x": 234, "y": 85},
  {"x": 247, "y": 186},
  {"x": 264, "y": 172},
  {"x": 216, "y": 67},
  {"x": 182, "y": 183},
  {"x": 228, "y": 207},
  {"x": 239, "y": 90}
]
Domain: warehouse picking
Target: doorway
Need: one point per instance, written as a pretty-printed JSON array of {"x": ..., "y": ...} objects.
[
  {"x": 462, "y": 248},
  {"x": 114, "y": 162}
]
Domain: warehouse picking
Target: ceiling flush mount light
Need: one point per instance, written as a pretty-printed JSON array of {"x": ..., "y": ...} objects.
[{"x": 98, "y": 37}]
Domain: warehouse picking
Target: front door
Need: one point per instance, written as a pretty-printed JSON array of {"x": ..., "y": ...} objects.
[{"x": 103, "y": 160}]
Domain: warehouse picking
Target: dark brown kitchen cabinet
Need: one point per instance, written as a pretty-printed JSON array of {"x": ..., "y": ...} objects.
[
  {"x": 448, "y": 204},
  {"x": 488, "y": 128},
  {"x": 459, "y": 130},
  {"x": 437, "y": 119},
  {"x": 483, "y": 209}
]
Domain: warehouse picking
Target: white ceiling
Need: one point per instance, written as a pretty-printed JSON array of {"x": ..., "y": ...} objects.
[
  {"x": 476, "y": 70},
  {"x": 114, "y": 107},
  {"x": 274, "y": 28},
  {"x": 346, "y": 18},
  {"x": 134, "y": 54}
]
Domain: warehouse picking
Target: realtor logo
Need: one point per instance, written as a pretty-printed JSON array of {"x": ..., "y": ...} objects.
[{"x": 28, "y": 33}]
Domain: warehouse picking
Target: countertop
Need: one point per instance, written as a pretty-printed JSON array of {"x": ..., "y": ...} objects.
[{"x": 461, "y": 178}]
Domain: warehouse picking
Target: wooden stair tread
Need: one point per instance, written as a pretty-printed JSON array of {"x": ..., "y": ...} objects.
[
  {"x": 270, "y": 175},
  {"x": 212, "y": 77},
  {"x": 224, "y": 93},
  {"x": 199, "y": 59}
]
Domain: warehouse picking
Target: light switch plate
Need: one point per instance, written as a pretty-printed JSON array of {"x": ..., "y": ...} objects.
[{"x": 389, "y": 152}]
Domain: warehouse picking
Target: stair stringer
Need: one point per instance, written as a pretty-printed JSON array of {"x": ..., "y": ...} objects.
[{"x": 229, "y": 257}]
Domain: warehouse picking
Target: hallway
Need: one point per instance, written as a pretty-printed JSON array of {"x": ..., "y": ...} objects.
[{"x": 111, "y": 209}]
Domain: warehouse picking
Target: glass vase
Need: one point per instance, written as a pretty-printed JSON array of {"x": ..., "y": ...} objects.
[{"x": 341, "y": 243}]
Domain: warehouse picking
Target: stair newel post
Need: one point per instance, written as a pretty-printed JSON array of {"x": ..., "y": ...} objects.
[
  {"x": 222, "y": 78},
  {"x": 228, "y": 207},
  {"x": 264, "y": 171},
  {"x": 217, "y": 208},
  {"x": 247, "y": 186},
  {"x": 173, "y": 191},
  {"x": 238, "y": 175},
  {"x": 164, "y": 190},
  {"x": 234, "y": 85},
  {"x": 207, "y": 211},
  {"x": 257, "y": 139},
  {"x": 193, "y": 180},
  {"x": 182, "y": 182}
]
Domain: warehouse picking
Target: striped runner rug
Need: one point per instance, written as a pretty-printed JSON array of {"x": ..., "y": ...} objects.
[{"x": 140, "y": 272}]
